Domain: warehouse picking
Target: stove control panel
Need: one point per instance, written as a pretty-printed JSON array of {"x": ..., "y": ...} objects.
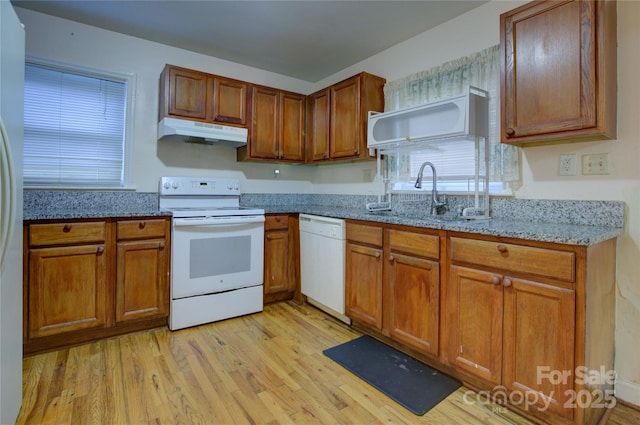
[{"x": 198, "y": 186}]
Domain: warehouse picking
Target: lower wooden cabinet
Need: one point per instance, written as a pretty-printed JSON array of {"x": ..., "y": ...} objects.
[
  {"x": 530, "y": 323},
  {"x": 91, "y": 279},
  {"x": 280, "y": 257},
  {"x": 392, "y": 284},
  {"x": 142, "y": 265}
]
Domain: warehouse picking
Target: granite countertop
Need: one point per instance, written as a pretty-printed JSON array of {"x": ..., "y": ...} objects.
[
  {"x": 581, "y": 223},
  {"x": 571, "y": 234}
]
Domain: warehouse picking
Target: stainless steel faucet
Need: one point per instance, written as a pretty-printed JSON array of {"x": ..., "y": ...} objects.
[{"x": 436, "y": 204}]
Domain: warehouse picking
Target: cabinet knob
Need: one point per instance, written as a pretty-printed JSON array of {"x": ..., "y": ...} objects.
[
  {"x": 278, "y": 219},
  {"x": 377, "y": 255},
  {"x": 161, "y": 245},
  {"x": 506, "y": 282},
  {"x": 392, "y": 259},
  {"x": 510, "y": 132},
  {"x": 67, "y": 228},
  {"x": 268, "y": 237},
  {"x": 502, "y": 248},
  {"x": 100, "y": 249},
  {"x": 496, "y": 280},
  {"x": 142, "y": 224}
]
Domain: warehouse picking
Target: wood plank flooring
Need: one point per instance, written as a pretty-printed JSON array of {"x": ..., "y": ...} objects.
[{"x": 266, "y": 368}]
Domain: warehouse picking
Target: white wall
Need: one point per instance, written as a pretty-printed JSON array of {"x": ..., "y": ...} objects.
[{"x": 474, "y": 31}]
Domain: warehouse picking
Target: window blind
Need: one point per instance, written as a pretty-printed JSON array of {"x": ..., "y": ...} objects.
[{"x": 74, "y": 129}]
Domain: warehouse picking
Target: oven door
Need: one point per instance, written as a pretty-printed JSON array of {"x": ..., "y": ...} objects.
[{"x": 216, "y": 254}]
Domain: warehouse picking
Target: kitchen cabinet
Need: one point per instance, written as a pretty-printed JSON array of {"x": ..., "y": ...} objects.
[
  {"x": 392, "y": 284},
  {"x": 338, "y": 118},
  {"x": 277, "y": 127},
  {"x": 142, "y": 266},
  {"x": 558, "y": 79},
  {"x": 412, "y": 302},
  {"x": 511, "y": 309},
  {"x": 190, "y": 94},
  {"x": 89, "y": 279},
  {"x": 280, "y": 257},
  {"x": 68, "y": 278},
  {"x": 363, "y": 280}
]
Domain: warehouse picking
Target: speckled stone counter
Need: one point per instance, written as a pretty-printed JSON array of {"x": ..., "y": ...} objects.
[
  {"x": 62, "y": 205},
  {"x": 580, "y": 223}
]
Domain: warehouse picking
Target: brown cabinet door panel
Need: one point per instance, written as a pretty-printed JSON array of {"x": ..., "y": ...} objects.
[
  {"x": 292, "y": 122},
  {"x": 141, "y": 282},
  {"x": 264, "y": 130},
  {"x": 364, "y": 284},
  {"x": 67, "y": 289},
  {"x": 229, "y": 101},
  {"x": 276, "y": 264},
  {"x": 345, "y": 119},
  {"x": 319, "y": 110},
  {"x": 413, "y": 302},
  {"x": 187, "y": 93},
  {"x": 539, "y": 331},
  {"x": 474, "y": 304}
]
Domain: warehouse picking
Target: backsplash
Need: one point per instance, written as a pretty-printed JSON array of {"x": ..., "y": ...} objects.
[{"x": 36, "y": 200}]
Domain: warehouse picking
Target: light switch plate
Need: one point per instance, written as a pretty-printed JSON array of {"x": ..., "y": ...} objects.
[{"x": 595, "y": 164}]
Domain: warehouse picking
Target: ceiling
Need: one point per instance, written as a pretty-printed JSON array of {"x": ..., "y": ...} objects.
[{"x": 305, "y": 39}]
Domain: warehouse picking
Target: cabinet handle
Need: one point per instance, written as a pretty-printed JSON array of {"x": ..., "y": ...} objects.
[
  {"x": 502, "y": 248},
  {"x": 142, "y": 224},
  {"x": 510, "y": 132},
  {"x": 67, "y": 228},
  {"x": 506, "y": 282},
  {"x": 496, "y": 280},
  {"x": 100, "y": 249}
]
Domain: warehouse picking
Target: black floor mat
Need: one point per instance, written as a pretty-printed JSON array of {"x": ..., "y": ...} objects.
[{"x": 409, "y": 382}]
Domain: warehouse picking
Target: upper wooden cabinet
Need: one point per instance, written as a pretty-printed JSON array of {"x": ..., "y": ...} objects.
[
  {"x": 338, "y": 115},
  {"x": 558, "y": 71},
  {"x": 185, "y": 93},
  {"x": 277, "y": 126}
]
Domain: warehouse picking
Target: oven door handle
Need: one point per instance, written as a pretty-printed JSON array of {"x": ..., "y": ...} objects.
[{"x": 218, "y": 221}]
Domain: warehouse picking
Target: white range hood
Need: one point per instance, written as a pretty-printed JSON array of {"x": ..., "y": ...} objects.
[{"x": 180, "y": 130}]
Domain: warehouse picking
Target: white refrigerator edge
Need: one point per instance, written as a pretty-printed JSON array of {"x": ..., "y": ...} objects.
[{"x": 12, "y": 54}]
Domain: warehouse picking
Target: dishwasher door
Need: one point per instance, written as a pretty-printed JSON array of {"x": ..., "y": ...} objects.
[{"x": 322, "y": 263}]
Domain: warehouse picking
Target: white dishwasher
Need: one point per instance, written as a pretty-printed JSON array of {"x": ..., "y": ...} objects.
[{"x": 322, "y": 258}]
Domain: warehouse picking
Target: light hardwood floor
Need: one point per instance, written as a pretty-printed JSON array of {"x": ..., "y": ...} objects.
[{"x": 266, "y": 368}]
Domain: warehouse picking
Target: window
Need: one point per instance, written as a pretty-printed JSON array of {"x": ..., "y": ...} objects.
[
  {"x": 75, "y": 127},
  {"x": 454, "y": 160}
]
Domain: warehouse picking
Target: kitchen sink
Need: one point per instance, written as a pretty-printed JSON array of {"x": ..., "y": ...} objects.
[{"x": 438, "y": 218}]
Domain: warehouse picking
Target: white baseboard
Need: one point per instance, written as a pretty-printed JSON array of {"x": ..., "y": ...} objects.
[{"x": 628, "y": 391}]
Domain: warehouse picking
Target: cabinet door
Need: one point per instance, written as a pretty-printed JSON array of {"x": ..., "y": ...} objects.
[
  {"x": 187, "y": 93},
  {"x": 549, "y": 70},
  {"x": 318, "y": 134},
  {"x": 141, "y": 282},
  {"x": 539, "y": 331},
  {"x": 264, "y": 130},
  {"x": 363, "y": 302},
  {"x": 413, "y": 302},
  {"x": 344, "y": 136},
  {"x": 292, "y": 121},
  {"x": 276, "y": 264},
  {"x": 475, "y": 314},
  {"x": 228, "y": 101},
  {"x": 67, "y": 289}
]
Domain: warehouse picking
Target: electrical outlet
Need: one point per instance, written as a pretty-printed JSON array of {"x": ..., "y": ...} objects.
[
  {"x": 595, "y": 164},
  {"x": 567, "y": 165}
]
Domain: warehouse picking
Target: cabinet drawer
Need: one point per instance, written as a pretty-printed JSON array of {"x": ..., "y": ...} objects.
[
  {"x": 370, "y": 235},
  {"x": 515, "y": 258},
  {"x": 274, "y": 222},
  {"x": 141, "y": 229},
  {"x": 67, "y": 233},
  {"x": 417, "y": 244}
]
